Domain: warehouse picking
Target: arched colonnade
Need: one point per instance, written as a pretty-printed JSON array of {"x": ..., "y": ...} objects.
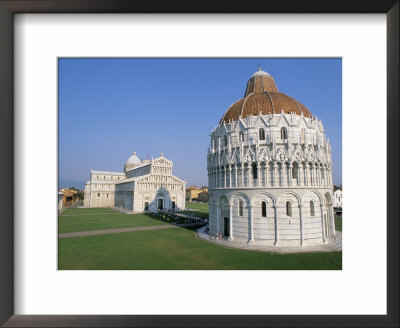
[{"x": 264, "y": 217}]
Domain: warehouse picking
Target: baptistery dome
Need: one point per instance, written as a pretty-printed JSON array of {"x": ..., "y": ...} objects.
[
  {"x": 270, "y": 171},
  {"x": 262, "y": 96}
]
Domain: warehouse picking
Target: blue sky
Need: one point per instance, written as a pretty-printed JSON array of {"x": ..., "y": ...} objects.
[{"x": 109, "y": 108}]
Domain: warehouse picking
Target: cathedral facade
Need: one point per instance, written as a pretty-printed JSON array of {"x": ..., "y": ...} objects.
[
  {"x": 147, "y": 185},
  {"x": 270, "y": 171}
]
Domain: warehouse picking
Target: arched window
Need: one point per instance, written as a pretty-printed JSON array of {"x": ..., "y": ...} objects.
[
  {"x": 288, "y": 208},
  {"x": 263, "y": 209},
  {"x": 284, "y": 133},
  {"x": 240, "y": 208},
  {"x": 241, "y": 136},
  {"x": 303, "y": 135},
  {"x": 225, "y": 141},
  {"x": 254, "y": 170},
  {"x": 261, "y": 134},
  {"x": 295, "y": 171},
  {"x": 312, "y": 210}
]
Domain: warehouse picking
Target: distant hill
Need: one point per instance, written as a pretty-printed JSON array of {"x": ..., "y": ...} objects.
[{"x": 71, "y": 183}]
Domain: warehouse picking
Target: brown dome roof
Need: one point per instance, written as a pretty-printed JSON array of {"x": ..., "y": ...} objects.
[{"x": 263, "y": 96}]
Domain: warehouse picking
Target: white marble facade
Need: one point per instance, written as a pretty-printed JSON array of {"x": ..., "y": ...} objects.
[
  {"x": 337, "y": 199},
  {"x": 270, "y": 176},
  {"x": 147, "y": 185}
]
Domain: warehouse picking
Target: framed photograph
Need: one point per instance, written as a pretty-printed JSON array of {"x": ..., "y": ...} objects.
[{"x": 80, "y": 89}]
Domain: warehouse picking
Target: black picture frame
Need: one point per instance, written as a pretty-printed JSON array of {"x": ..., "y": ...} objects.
[{"x": 7, "y": 10}]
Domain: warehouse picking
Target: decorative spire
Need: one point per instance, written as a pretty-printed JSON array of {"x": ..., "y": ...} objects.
[{"x": 259, "y": 68}]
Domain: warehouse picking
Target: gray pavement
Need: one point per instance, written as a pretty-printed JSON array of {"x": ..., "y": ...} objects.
[
  {"x": 112, "y": 231},
  {"x": 119, "y": 230},
  {"x": 330, "y": 246}
]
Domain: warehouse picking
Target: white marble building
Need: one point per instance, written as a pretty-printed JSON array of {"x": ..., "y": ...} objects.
[
  {"x": 146, "y": 185},
  {"x": 337, "y": 199},
  {"x": 270, "y": 171}
]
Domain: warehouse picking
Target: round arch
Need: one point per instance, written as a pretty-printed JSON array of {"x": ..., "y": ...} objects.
[
  {"x": 289, "y": 193},
  {"x": 238, "y": 196},
  {"x": 262, "y": 196},
  {"x": 312, "y": 192}
]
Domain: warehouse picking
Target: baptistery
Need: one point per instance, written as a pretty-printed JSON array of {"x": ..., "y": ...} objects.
[{"x": 270, "y": 171}]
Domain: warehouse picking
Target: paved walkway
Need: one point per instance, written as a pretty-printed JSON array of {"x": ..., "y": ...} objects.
[
  {"x": 111, "y": 231},
  {"x": 332, "y": 246},
  {"x": 92, "y": 214},
  {"x": 119, "y": 230},
  {"x": 129, "y": 229}
]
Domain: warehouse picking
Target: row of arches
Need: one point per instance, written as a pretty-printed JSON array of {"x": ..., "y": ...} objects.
[
  {"x": 270, "y": 174},
  {"x": 264, "y": 218},
  {"x": 288, "y": 208},
  {"x": 262, "y": 136}
]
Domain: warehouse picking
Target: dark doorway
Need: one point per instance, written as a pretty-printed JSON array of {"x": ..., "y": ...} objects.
[
  {"x": 160, "y": 204},
  {"x": 226, "y": 227},
  {"x": 146, "y": 206},
  {"x": 173, "y": 205}
]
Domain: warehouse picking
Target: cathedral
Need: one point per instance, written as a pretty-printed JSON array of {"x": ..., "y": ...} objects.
[
  {"x": 147, "y": 185},
  {"x": 270, "y": 171}
]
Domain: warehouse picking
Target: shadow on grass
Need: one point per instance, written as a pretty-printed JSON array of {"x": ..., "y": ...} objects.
[
  {"x": 195, "y": 213},
  {"x": 186, "y": 223}
]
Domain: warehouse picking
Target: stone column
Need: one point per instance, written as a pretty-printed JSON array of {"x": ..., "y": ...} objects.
[
  {"x": 274, "y": 174},
  {"x": 315, "y": 174},
  {"x": 213, "y": 178},
  {"x": 322, "y": 223},
  {"x": 300, "y": 174},
  {"x": 236, "y": 175},
  {"x": 290, "y": 182},
  {"x": 224, "y": 177},
  {"x": 306, "y": 174},
  {"x": 251, "y": 239},
  {"x": 249, "y": 182},
  {"x": 276, "y": 225},
  {"x": 242, "y": 169},
  {"x": 326, "y": 176},
  {"x": 333, "y": 223},
  {"x": 230, "y": 223},
  {"x": 319, "y": 176},
  {"x": 301, "y": 225},
  {"x": 322, "y": 176},
  {"x": 218, "y": 218},
  {"x": 266, "y": 174},
  {"x": 230, "y": 176},
  {"x": 259, "y": 175}
]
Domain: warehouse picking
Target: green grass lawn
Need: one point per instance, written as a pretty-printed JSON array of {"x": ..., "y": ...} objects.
[
  {"x": 177, "y": 249},
  {"x": 338, "y": 223},
  {"x": 85, "y": 219},
  {"x": 171, "y": 249},
  {"x": 198, "y": 209}
]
